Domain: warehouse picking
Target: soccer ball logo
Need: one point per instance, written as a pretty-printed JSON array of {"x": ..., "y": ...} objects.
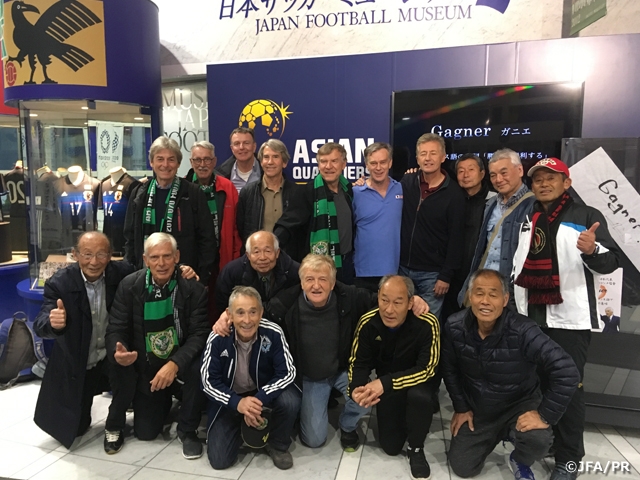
[{"x": 266, "y": 114}]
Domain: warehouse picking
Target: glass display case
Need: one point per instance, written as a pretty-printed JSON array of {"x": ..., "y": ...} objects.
[
  {"x": 80, "y": 159},
  {"x": 612, "y": 372},
  {"x": 12, "y": 189}
]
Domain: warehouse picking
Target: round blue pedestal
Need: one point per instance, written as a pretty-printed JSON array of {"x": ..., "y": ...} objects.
[
  {"x": 32, "y": 299},
  {"x": 32, "y": 302},
  {"x": 10, "y": 275}
]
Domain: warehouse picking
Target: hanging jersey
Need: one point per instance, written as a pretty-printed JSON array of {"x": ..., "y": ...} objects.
[
  {"x": 114, "y": 200},
  {"x": 78, "y": 206}
]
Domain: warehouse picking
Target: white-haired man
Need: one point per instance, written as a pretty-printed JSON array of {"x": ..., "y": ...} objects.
[
  {"x": 158, "y": 322},
  {"x": 222, "y": 199},
  {"x": 503, "y": 217},
  {"x": 174, "y": 206}
]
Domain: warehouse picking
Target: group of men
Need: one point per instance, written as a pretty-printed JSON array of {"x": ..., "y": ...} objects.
[{"x": 335, "y": 282}]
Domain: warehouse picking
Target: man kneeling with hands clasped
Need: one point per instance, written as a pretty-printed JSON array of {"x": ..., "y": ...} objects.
[{"x": 248, "y": 377}]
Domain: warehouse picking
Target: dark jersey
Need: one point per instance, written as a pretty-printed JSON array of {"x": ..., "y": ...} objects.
[
  {"x": 15, "y": 186},
  {"x": 114, "y": 200}
]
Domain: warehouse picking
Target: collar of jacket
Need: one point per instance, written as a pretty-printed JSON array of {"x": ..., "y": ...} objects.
[{"x": 470, "y": 322}]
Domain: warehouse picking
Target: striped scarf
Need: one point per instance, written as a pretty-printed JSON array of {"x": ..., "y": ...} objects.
[
  {"x": 324, "y": 238},
  {"x": 540, "y": 273},
  {"x": 210, "y": 192},
  {"x": 161, "y": 324}
]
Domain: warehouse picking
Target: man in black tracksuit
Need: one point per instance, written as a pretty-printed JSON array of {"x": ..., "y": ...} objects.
[{"x": 404, "y": 351}]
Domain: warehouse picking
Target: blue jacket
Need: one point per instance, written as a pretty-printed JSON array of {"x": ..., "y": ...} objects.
[
  {"x": 510, "y": 234},
  {"x": 271, "y": 368}
]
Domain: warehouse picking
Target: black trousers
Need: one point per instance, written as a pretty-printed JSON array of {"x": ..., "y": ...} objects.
[
  {"x": 405, "y": 415},
  {"x": 150, "y": 409},
  {"x": 105, "y": 377},
  {"x": 469, "y": 450},
  {"x": 569, "y": 431}
]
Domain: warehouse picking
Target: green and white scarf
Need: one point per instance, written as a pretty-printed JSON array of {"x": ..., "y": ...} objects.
[
  {"x": 325, "y": 239},
  {"x": 161, "y": 323},
  {"x": 210, "y": 192},
  {"x": 149, "y": 212}
]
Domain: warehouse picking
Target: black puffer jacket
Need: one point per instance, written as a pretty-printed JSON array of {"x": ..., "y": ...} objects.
[
  {"x": 490, "y": 376},
  {"x": 250, "y": 215},
  {"x": 126, "y": 319},
  {"x": 240, "y": 272}
]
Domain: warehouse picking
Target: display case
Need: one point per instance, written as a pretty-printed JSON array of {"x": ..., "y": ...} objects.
[
  {"x": 612, "y": 372},
  {"x": 13, "y": 210},
  {"x": 81, "y": 158}
]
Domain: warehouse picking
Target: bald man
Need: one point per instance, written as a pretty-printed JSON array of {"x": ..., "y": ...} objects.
[{"x": 77, "y": 300}]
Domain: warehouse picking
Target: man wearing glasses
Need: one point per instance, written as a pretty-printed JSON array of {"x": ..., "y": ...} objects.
[
  {"x": 74, "y": 313},
  {"x": 222, "y": 199},
  {"x": 242, "y": 167}
]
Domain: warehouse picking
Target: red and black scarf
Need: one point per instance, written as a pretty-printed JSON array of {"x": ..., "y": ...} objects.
[{"x": 539, "y": 274}]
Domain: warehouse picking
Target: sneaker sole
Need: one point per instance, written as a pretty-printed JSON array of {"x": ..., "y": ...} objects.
[
  {"x": 113, "y": 452},
  {"x": 411, "y": 474},
  {"x": 350, "y": 449}
]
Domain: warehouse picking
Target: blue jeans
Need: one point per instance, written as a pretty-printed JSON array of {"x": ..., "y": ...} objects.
[
  {"x": 313, "y": 412},
  {"x": 224, "y": 437},
  {"x": 425, "y": 283}
]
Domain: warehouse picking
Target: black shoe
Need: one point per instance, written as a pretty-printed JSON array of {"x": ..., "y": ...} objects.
[
  {"x": 350, "y": 441},
  {"x": 113, "y": 441},
  {"x": 418, "y": 463},
  {"x": 191, "y": 445},
  {"x": 281, "y": 459}
]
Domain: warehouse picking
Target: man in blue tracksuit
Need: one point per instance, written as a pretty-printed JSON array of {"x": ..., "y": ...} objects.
[{"x": 241, "y": 373}]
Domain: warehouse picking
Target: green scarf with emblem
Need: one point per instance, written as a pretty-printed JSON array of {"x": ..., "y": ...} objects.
[
  {"x": 324, "y": 239},
  {"x": 162, "y": 330}
]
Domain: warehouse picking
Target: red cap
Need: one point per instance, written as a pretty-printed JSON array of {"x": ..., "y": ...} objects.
[{"x": 552, "y": 164}]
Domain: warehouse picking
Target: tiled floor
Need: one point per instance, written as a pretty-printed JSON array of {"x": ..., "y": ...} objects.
[{"x": 27, "y": 452}]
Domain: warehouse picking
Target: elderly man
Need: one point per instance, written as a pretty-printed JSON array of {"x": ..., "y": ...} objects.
[
  {"x": 404, "y": 351},
  {"x": 168, "y": 204},
  {"x": 611, "y": 321},
  {"x": 323, "y": 215},
  {"x": 503, "y": 217},
  {"x": 241, "y": 167},
  {"x": 158, "y": 321},
  {"x": 489, "y": 359},
  {"x": 560, "y": 250},
  {"x": 433, "y": 213},
  {"x": 263, "y": 267},
  {"x": 470, "y": 172},
  {"x": 262, "y": 203},
  {"x": 253, "y": 377},
  {"x": 377, "y": 213},
  {"x": 77, "y": 300},
  {"x": 222, "y": 199},
  {"x": 319, "y": 318}
]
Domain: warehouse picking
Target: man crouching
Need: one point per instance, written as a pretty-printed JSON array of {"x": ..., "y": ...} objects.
[{"x": 247, "y": 376}]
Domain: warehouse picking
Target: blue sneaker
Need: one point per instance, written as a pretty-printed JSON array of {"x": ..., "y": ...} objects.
[{"x": 520, "y": 471}]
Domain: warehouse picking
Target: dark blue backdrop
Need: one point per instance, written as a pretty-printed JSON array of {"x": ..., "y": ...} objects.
[{"x": 349, "y": 97}]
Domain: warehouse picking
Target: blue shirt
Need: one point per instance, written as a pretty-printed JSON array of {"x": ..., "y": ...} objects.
[
  {"x": 240, "y": 182},
  {"x": 377, "y": 221}
]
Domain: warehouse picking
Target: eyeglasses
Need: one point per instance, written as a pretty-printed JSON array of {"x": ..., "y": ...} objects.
[
  {"x": 100, "y": 256},
  {"x": 205, "y": 160},
  {"x": 241, "y": 144}
]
